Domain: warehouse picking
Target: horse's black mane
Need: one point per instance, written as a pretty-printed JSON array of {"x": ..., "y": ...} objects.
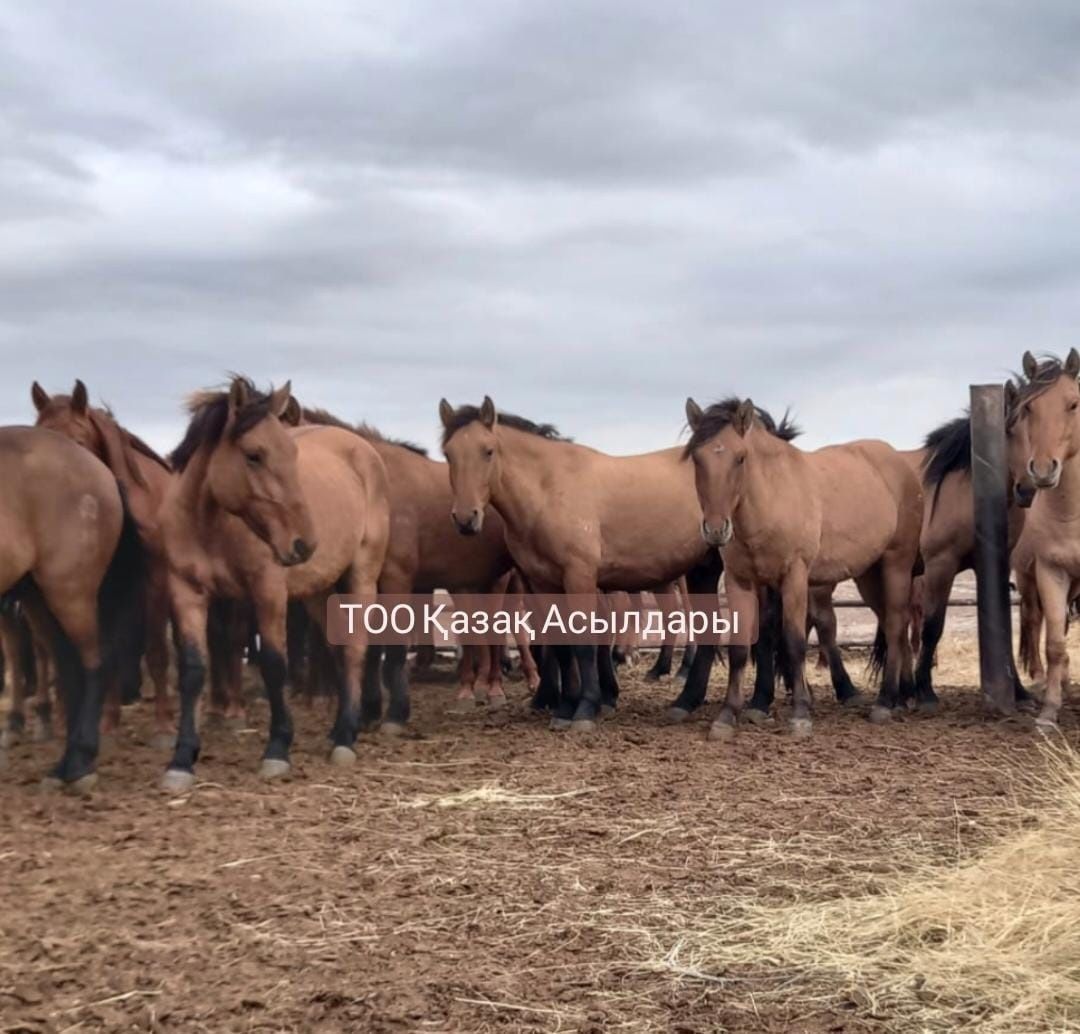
[
  {"x": 366, "y": 431},
  {"x": 948, "y": 449},
  {"x": 209, "y": 414},
  {"x": 465, "y": 415},
  {"x": 721, "y": 414},
  {"x": 136, "y": 443}
]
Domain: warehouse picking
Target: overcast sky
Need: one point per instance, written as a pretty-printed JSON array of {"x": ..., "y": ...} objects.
[{"x": 587, "y": 210}]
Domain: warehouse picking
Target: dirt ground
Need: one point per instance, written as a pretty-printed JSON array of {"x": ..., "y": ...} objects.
[{"x": 484, "y": 875}]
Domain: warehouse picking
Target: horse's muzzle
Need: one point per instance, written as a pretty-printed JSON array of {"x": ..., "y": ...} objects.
[
  {"x": 469, "y": 525},
  {"x": 717, "y": 537},
  {"x": 1048, "y": 480}
]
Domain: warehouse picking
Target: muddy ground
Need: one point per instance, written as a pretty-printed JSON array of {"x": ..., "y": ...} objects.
[{"x": 484, "y": 875}]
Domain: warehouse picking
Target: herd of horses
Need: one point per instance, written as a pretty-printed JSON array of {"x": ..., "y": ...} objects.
[{"x": 109, "y": 553}]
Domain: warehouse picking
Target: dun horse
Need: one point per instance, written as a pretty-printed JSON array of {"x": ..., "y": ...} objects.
[
  {"x": 947, "y": 542},
  {"x": 265, "y": 512},
  {"x": 424, "y": 554},
  {"x": 145, "y": 477},
  {"x": 579, "y": 521},
  {"x": 70, "y": 550},
  {"x": 788, "y": 520},
  {"x": 1049, "y": 403}
]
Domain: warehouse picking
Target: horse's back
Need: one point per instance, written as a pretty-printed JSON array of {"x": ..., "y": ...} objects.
[
  {"x": 345, "y": 483},
  {"x": 60, "y": 510}
]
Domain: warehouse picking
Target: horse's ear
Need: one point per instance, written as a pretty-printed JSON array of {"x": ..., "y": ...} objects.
[
  {"x": 487, "y": 412},
  {"x": 446, "y": 413},
  {"x": 238, "y": 394},
  {"x": 1072, "y": 364},
  {"x": 693, "y": 414},
  {"x": 80, "y": 401},
  {"x": 279, "y": 400},
  {"x": 293, "y": 413},
  {"x": 39, "y": 395},
  {"x": 1012, "y": 393},
  {"x": 744, "y": 417},
  {"x": 1030, "y": 365}
]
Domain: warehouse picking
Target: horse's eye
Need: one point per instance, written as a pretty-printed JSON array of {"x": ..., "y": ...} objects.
[
  {"x": 1073, "y": 406},
  {"x": 740, "y": 460},
  {"x": 253, "y": 458},
  {"x": 489, "y": 453}
]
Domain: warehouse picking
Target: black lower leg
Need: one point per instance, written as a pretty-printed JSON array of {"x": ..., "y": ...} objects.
[
  {"x": 843, "y": 687},
  {"x": 192, "y": 675},
  {"x": 687, "y": 661},
  {"x": 766, "y": 650},
  {"x": 83, "y": 745},
  {"x": 588, "y": 705},
  {"x": 662, "y": 664},
  {"x": 569, "y": 682},
  {"x": 696, "y": 686},
  {"x": 396, "y": 678},
  {"x": 273, "y": 668},
  {"x": 932, "y": 630},
  {"x": 609, "y": 682},
  {"x": 371, "y": 690},
  {"x": 546, "y": 697}
]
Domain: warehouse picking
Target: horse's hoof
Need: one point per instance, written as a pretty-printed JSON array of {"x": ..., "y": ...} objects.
[
  {"x": 163, "y": 741},
  {"x": 177, "y": 780},
  {"x": 343, "y": 756},
  {"x": 607, "y": 710},
  {"x": 756, "y": 717},
  {"x": 582, "y": 725},
  {"x": 677, "y": 715},
  {"x": 880, "y": 714},
  {"x": 559, "y": 724},
  {"x": 650, "y": 676},
  {"x": 1046, "y": 723},
  {"x": 801, "y": 728},
  {"x": 51, "y": 784},
  {"x": 927, "y": 707},
  {"x": 851, "y": 700},
  {"x": 392, "y": 730},
  {"x": 83, "y": 785},
  {"x": 496, "y": 703},
  {"x": 721, "y": 732},
  {"x": 274, "y": 768}
]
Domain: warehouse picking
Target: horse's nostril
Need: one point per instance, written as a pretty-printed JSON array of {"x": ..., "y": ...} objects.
[{"x": 301, "y": 549}]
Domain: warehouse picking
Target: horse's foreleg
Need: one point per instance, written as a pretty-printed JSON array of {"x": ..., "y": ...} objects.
[
  {"x": 609, "y": 680},
  {"x": 1054, "y": 583},
  {"x": 496, "y": 694},
  {"x": 270, "y": 611},
  {"x": 794, "y": 592},
  {"x": 546, "y": 697},
  {"x": 157, "y": 659},
  {"x": 589, "y": 702},
  {"x": 937, "y": 581},
  {"x": 766, "y": 649},
  {"x": 371, "y": 691},
  {"x": 723, "y": 728},
  {"x": 190, "y": 610},
  {"x": 702, "y": 579},
  {"x": 396, "y": 679},
  {"x": 13, "y": 649}
]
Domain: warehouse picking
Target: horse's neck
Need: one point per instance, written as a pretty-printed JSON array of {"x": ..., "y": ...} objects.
[
  {"x": 197, "y": 506},
  {"x": 1062, "y": 504},
  {"x": 758, "y": 512},
  {"x": 516, "y": 494}
]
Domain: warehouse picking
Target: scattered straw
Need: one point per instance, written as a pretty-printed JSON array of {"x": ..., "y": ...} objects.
[
  {"x": 991, "y": 943},
  {"x": 493, "y": 795}
]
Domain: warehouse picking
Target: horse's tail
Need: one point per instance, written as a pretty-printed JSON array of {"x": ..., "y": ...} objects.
[
  {"x": 122, "y": 608},
  {"x": 875, "y": 665},
  {"x": 1030, "y": 622}
]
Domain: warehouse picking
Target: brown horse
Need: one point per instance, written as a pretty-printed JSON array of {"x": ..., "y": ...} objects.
[
  {"x": 579, "y": 521},
  {"x": 1049, "y": 404},
  {"x": 788, "y": 520},
  {"x": 25, "y": 665},
  {"x": 265, "y": 512},
  {"x": 145, "y": 477},
  {"x": 947, "y": 542},
  {"x": 424, "y": 553},
  {"x": 70, "y": 551}
]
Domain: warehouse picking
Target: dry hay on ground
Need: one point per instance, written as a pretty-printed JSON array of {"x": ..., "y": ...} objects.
[{"x": 488, "y": 875}]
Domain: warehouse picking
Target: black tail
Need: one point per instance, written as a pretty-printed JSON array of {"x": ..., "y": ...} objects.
[
  {"x": 875, "y": 666},
  {"x": 122, "y": 609}
]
